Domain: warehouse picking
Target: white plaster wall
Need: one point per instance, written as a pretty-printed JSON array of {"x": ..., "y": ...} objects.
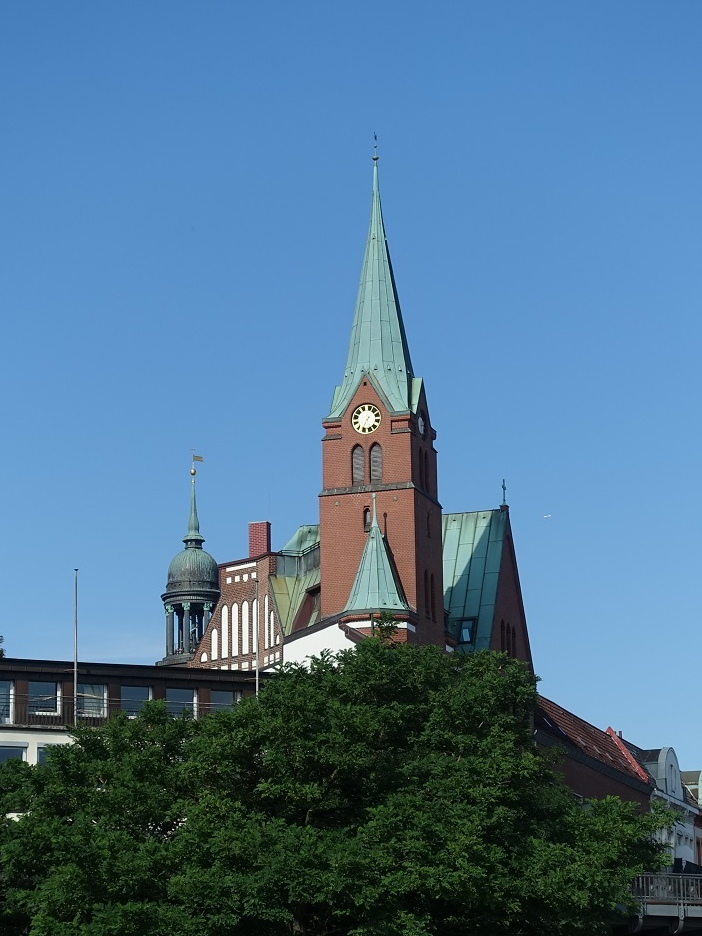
[
  {"x": 29, "y": 740},
  {"x": 302, "y": 648}
]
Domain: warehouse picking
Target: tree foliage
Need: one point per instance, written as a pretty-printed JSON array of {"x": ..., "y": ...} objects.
[{"x": 390, "y": 790}]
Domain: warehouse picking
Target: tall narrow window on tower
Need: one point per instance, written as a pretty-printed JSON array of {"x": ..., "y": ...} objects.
[
  {"x": 358, "y": 465},
  {"x": 376, "y": 463}
]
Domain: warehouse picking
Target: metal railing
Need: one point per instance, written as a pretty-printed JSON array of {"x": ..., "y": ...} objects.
[
  {"x": 24, "y": 711},
  {"x": 680, "y": 890}
]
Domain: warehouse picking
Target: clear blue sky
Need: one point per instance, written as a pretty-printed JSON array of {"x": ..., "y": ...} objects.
[{"x": 185, "y": 187}]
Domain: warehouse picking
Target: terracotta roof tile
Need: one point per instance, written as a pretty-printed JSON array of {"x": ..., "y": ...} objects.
[{"x": 581, "y": 734}]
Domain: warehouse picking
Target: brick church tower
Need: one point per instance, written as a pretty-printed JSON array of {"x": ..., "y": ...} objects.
[{"x": 380, "y": 518}]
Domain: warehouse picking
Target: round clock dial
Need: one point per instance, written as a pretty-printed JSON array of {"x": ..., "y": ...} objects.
[
  {"x": 421, "y": 424},
  {"x": 365, "y": 418}
]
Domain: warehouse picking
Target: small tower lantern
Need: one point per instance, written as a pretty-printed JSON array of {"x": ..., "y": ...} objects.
[{"x": 192, "y": 590}]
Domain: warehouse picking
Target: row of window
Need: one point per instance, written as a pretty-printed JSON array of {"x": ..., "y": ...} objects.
[
  {"x": 375, "y": 460},
  {"x": 44, "y": 699},
  {"x": 19, "y": 751},
  {"x": 242, "y": 630}
]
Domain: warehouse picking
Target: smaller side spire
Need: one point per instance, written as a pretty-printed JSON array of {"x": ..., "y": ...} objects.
[{"x": 375, "y": 587}]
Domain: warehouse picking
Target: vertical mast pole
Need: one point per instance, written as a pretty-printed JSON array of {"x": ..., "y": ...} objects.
[
  {"x": 75, "y": 647},
  {"x": 256, "y": 625}
]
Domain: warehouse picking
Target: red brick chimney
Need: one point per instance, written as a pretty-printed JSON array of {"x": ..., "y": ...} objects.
[{"x": 259, "y": 538}]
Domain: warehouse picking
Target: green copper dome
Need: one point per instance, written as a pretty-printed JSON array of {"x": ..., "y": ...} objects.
[
  {"x": 193, "y": 574},
  {"x": 193, "y": 569}
]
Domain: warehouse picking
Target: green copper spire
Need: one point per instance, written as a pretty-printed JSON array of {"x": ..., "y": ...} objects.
[
  {"x": 375, "y": 588},
  {"x": 378, "y": 347},
  {"x": 193, "y": 538}
]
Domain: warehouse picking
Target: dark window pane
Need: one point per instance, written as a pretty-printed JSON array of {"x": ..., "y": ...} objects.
[
  {"x": 5, "y": 699},
  {"x": 8, "y": 752},
  {"x": 133, "y": 698},
  {"x": 221, "y": 698},
  {"x": 41, "y": 753},
  {"x": 179, "y": 701},
  {"x": 43, "y": 698}
]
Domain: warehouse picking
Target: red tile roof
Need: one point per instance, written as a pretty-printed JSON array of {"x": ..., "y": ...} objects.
[{"x": 600, "y": 745}]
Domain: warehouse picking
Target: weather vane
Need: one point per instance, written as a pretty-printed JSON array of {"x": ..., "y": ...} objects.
[
  {"x": 504, "y": 493},
  {"x": 375, "y": 147},
  {"x": 196, "y": 458}
]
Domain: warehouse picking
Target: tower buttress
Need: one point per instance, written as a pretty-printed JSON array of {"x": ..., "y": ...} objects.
[{"x": 379, "y": 444}]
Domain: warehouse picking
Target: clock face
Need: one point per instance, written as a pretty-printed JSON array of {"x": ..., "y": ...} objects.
[
  {"x": 421, "y": 425},
  {"x": 365, "y": 418}
]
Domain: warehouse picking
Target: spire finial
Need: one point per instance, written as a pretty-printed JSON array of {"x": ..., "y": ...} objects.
[
  {"x": 504, "y": 493},
  {"x": 375, "y": 148},
  {"x": 193, "y": 537}
]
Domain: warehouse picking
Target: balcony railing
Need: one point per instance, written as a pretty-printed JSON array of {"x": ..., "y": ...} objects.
[
  {"x": 24, "y": 711},
  {"x": 681, "y": 890}
]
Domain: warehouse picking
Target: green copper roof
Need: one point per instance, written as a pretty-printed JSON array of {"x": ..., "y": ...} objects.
[
  {"x": 297, "y": 571},
  {"x": 472, "y": 551},
  {"x": 289, "y": 592},
  {"x": 193, "y": 537},
  {"x": 378, "y": 345},
  {"x": 375, "y": 587},
  {"x": 193, "y": 569}
]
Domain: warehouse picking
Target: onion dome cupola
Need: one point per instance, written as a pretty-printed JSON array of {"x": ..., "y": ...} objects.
[{"x": 192, "y": 591}]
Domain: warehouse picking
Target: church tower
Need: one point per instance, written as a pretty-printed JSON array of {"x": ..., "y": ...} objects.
[
  {"x": 192, "y": 591},
  {"x": 379, "y": 504}
]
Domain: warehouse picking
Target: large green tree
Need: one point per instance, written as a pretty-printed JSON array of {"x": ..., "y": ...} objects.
[{"x": 391, "y": 790}]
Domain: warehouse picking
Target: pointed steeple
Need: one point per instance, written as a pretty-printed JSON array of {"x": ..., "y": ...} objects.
[
  {"x": 375, "y": 587},
  {"x": 193, "y": 539},
  {"x": 378, "y": 346}
]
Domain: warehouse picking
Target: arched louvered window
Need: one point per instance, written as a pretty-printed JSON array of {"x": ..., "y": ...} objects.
[
  {"x": 514, "y": 642},
  {"x": 428, "y": 525},
  {"x": 366, "y": 519},
  {"x": 376, "y": 463},
  {"x": 358, "y": 465},
  {"x": 503, "y": 645},
  {"x": 422, "y": 477},
  {"x": 426, "y": 593},
  {"x": 433, "y": 598}
]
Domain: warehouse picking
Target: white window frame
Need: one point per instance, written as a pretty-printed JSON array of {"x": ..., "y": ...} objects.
[
  {"x": 48, "y": 682},
  {"x": 10, "y": 719},
  {"x": 82, "y": 698}
]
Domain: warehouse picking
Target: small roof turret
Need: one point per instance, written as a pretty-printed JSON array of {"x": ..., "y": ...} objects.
[
  {"x": 375, "y": 587},
  {"x": 193, "y": 574}
]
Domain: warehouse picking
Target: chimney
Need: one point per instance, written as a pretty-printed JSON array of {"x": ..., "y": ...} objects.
[{"x": 259, "y": 538}]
